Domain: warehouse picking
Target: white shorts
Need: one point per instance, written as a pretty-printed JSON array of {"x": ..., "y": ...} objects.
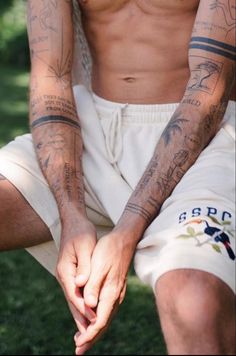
[{"x": 195, "y": 228}]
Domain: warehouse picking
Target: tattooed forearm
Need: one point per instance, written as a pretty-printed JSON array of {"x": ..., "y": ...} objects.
[
  {"x": 149, "y": 194},
  {"x": 171, "y": 159},
  {"x": 193, "y": 141},
  {"x": 52, "y": 103},
  {"x": 56, "y": 119},
  {"x": 197, "y": 118},
  {"x": 136, "y": 209},
  {"x": 45, "y": 15},
  {"x": 60, "y": 69},
  {"x": 58, "y": 146},
  {"x": 174, "y": 126},
  {"x": 54, "y": 122},
  {"x": 31, "y": 16},
  {"x": 173, "y": 174},
  {"x": 149, "y": 173},
  {"x": 158, "y": 181},
  {"x": 63, "y": 66}
]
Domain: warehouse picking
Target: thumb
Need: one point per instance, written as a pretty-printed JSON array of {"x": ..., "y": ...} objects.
[
  {"x": 93, "y": 287},
  {"x": 83, "y": 269}
]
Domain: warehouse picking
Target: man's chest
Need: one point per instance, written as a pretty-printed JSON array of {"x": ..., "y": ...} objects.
[{"x": 144, "y": 5}]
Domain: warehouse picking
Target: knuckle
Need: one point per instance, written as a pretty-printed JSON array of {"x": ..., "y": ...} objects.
[
  {"x": 101, "y": 325},
  {"x": 90, "y": 288},
  {"x": 59, "y": 273},
  {"x": 83, "y": 266},
  {"x": 69, "y": 297},
  {"x": 115, "y": 293},
  {"x": 122, "y": 297}
]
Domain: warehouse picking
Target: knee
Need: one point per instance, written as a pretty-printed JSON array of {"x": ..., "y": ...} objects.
[{"x": 194, "y": 300}]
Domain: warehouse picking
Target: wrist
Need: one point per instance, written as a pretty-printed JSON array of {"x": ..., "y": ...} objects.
[
  {"x": 71, "y": 214},
  {"x": 129, "y": 231}
]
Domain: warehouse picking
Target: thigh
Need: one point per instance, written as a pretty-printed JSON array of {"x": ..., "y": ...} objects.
[
  {"x": 20, "y": 225},
  {"x": 195, "y": 229}
]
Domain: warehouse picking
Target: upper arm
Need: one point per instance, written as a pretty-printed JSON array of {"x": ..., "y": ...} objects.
[
  {"x": 212, "y": 48},
  {"x": 50, "y": 34}
]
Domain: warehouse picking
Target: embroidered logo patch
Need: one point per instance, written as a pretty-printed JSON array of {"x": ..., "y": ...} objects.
[{"x": 218, "y": 237}]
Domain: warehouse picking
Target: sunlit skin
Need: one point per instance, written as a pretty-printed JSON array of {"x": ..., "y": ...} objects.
[
  {"x": 119, "y": 58},
  {"x": 143, "y": 52}
]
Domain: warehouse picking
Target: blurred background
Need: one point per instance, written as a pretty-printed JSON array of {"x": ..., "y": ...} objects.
[
  {"x": 14, "y": 68},
  {"x": 34, "y": 317}
]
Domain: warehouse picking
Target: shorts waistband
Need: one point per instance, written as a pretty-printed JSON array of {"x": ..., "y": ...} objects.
[
  {"x": 148, "y": 113},
  {"x": 135, "y": 113}
]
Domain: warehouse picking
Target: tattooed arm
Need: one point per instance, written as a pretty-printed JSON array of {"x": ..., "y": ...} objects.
[
  {"x": 191, "y": 128},
  {"x": 212, "y": 57},
  {"x": 57, "y": 139}
]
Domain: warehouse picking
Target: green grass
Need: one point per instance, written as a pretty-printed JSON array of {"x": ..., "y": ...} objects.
[
  {"x": 34, "y": 317},
  {"x": 13, "y": 103}
]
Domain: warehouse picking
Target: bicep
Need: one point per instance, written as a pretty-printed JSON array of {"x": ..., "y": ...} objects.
[
  {"x": 212, "y": 46},
  {"x": 50, "y": 35},
  {"x": 216, "y": 20}
]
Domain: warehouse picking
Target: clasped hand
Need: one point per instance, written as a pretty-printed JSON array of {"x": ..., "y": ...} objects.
[{"x": 93, "y": 277}]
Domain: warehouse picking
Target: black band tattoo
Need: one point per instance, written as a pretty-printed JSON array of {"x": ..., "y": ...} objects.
[
  {"x": 213, "y": 50},
  {"x": 213, "y": 42},
  {"x": 136, "y": 209},
  {"x": 211, "y": 45},
  {"x": 54, "y": 119},
  {"x": 153, "y": 202}
]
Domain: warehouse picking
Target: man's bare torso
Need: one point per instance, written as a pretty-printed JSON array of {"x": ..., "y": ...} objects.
[{"x": 139, "y": 48}]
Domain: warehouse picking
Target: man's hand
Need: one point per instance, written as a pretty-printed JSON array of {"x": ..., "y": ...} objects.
[
  {"x": 106, "y": 285},
  {"x": 73, "y": 269}
]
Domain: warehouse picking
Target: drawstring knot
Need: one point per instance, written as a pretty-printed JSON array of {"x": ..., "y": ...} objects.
[{"x": 113, "y": 136}]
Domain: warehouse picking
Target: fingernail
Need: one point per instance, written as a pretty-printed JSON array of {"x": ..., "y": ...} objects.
[
  {"x": 76, "y": 336},
  {"x": 79, "y": 350}
]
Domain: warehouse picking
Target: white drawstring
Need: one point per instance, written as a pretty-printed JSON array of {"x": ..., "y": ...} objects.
[{"x": 113, "y": 135}]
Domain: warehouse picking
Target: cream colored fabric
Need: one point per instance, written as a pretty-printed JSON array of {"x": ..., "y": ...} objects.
[
  {"x": 119, "y": 141},
  {"x": 195, "y": 222}
]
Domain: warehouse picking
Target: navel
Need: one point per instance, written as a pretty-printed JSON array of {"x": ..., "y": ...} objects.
[{"x": 129, "y": 79}]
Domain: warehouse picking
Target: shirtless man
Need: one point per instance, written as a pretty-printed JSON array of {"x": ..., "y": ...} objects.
[{"x": 161, "y": 171}]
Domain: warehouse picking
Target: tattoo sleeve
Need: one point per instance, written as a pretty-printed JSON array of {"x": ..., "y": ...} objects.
[
  {"x": 197, "y": 118},
  {"x": 53, "y": 118}
]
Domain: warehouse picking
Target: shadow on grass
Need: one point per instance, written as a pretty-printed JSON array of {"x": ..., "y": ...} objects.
[{"x": 35, "y": 320}]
